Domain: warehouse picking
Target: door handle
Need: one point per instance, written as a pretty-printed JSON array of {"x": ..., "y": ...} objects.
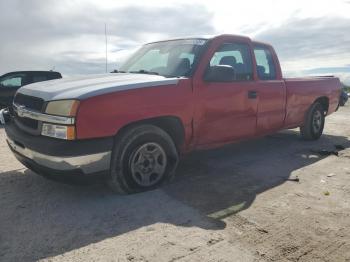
[{"x": 252, "y": 94}]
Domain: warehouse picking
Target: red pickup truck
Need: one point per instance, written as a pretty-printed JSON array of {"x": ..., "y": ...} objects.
[{"x": 169, "y": 98}]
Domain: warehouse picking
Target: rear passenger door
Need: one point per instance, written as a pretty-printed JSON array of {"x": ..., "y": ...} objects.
[{"x": 271, "y": 91}]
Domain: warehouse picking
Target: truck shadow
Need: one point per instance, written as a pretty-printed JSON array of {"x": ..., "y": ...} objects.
[
  {"x": 41, "y": 218},
  {"x": 225, "y": 181}
]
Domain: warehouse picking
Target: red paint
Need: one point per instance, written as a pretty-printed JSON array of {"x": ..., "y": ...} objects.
[{"x": 221, "y": 112}]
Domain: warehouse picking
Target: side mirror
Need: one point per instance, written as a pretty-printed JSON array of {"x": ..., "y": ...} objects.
[{"x": 220, "y": 73}]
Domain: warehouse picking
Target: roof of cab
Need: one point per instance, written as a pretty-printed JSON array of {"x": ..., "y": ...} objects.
[
  {"x": 31, "y": 71},
  {"x": 209, "y": 37}
]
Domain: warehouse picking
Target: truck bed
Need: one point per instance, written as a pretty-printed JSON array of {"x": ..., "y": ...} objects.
[{"x": 302, "y": 92}]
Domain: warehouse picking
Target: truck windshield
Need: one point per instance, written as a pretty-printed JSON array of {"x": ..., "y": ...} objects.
[{"x": 170, "y": 58}]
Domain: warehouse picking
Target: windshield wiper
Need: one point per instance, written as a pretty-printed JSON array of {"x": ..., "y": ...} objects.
[{"x": 142, "y": 71}]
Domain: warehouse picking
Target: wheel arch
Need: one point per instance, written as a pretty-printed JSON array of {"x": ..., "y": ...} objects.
[
  {"x": 172, "y": 125},
  {"x": 324, "y": 101}
]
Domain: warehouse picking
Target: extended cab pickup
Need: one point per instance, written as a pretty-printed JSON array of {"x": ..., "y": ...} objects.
[{"x": 169, "y": 98}]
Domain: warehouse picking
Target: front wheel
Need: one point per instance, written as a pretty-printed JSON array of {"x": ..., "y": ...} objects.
[
  {"x": 313, "y": 123},
  {"x": 143, "y": 158}
]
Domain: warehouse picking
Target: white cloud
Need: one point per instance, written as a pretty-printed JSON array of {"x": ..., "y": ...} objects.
[{"x": 70, "y": 34}]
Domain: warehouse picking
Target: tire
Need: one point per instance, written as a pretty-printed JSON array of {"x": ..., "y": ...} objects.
[
  {"x": 143, "y": 158},
  {"x": 313, "y": 123}
]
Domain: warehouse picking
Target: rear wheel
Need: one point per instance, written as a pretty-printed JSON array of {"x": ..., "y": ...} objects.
[
  {"x": 144, "y": 157},
  {"x": 313, "y": 123}
]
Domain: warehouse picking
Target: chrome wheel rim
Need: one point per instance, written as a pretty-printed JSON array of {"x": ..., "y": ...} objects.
[
  {"x": 147, "y": 164},
  {"x": 317, "y": 121}
]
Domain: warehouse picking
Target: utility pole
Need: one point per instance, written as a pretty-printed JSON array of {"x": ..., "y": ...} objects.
[{"x": 106, "y": 47}]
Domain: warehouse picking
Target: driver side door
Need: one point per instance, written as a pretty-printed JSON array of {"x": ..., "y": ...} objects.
[{"x": 228, "y": 110}]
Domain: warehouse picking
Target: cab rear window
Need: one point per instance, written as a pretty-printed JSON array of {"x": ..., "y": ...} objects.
[{"x": 264, "y": 63}]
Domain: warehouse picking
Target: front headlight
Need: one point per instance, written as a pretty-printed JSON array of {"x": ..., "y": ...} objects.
[
  {"x": 62, "y": 107},
  {"x": 58, "y": 131}
]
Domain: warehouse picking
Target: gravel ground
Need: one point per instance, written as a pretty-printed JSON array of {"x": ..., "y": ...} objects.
[{"x": 238, "y": 203}]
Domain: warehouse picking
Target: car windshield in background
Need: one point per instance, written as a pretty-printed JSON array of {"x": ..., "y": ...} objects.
[{"x": 170, "y": 58}]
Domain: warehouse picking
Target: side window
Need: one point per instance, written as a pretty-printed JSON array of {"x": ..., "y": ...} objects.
[
  {"x": 238, "y": 57},
  {"x": 13, "y": 81},
  {"x": 264, "y": 63}
]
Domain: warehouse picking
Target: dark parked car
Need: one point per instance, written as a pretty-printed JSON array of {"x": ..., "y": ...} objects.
[{"x": 11, "y": 82}]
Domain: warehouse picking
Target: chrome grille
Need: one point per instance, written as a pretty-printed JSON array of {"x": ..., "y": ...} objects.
[
  {"x": 30, "y": 123},
  {"x": 30, "y": 102}
]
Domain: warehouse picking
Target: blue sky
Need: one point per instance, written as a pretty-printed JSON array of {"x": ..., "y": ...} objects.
[{"x": 310, "y": 37}]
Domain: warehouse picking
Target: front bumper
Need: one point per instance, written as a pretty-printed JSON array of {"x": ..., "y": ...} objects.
[{"x": 53, "y": 156}]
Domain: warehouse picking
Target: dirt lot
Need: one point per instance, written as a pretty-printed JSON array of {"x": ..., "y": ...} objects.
[{"x": 239, "y": 203}]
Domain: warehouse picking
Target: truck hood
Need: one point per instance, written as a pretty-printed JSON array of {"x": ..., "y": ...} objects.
[{"x": 88, "y": 86}]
